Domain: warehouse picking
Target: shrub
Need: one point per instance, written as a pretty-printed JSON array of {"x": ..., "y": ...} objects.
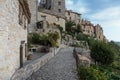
[
  {"x": 79, "y": 28},
  {"x": 90, "y": 73},
  {"x": 35, "y": 38},
  {"x": 69, "y": 25},
  {"x": 60, "y": 28},
  {"x": 82, "y": 37},
  {"x": 108, "y": 71},
  {"x": 102, "y": 53}
]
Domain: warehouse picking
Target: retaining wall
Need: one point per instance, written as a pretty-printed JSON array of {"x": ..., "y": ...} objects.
[{"x": 28, "y": 70}]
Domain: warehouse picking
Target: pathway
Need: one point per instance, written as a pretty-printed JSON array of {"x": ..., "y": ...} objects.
[{"x": 61, "y": 67}]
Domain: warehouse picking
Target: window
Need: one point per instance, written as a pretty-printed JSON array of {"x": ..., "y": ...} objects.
[
  {"x": 59, "y": 3},
  {"x": 59, "y": 10},
  {"x": 43, "y": 18}
]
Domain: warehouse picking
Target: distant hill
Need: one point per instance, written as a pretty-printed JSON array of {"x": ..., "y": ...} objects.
[{"x": 118, "y": 43}]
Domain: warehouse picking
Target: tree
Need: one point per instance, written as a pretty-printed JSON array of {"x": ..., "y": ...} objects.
[
  {"x": 82, "y": 37},
  {"x": 79, "y": 28},
  {"x": 102, "y": 53},
  {"x": 69, "y": 25},
  {"x": 35, "y": 38}
]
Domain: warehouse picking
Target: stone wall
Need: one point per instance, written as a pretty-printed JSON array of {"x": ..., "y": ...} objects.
[
  {"x": 33, "y": 10},
  {"x": 99, "y": 32},
  {"x": 56, "y": 7},
  {"x": 11, "y": 35},
  {"x": 28, "y": 70},
  {"x": 82, "y": 56},
  {"x": 52, "y": 19},
  {"x": 87, "y": 28},
  {"x": 73, "y": 16}
]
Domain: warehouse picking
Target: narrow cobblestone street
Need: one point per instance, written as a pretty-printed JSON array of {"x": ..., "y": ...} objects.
[{"x": 61, "y": 67}]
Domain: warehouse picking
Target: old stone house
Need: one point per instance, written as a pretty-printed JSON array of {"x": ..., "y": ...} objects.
[
  {"x": 87, "y": 28},
  {"x": 52, "y": 11},
  {"x": 73, "y": 16},
  {"x": 51, "y": 19},
  {"x": 14, "y": 19}
]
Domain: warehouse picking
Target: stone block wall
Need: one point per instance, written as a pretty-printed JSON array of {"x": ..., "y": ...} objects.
[
  {"x": 52, "y": 19},
  {"x": 33, "y": 9},
  {"x": 99, "y": 32},
  {"x": 82, "y": 57},
  {"x": 11, "y": 35},
  {"x": 28, "y": 70},
  {"x": 73, "y": 16},
  {"x": 56, "y": 7}
]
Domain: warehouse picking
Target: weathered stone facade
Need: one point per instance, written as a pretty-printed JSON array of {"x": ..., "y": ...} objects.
[
  {"x": 33, "y": 5},
  {"x": 53, "y": 11},
  {"x": 56, "y": 7},
  {"x": 29, "y": 69},
  {"x": 13, "y": 35},
  {"x": 99, "y": 33},
  {"x": 51, "y": 19},
  {"x": 73, "y": 16},
  {"x": 87, "y": 28}
]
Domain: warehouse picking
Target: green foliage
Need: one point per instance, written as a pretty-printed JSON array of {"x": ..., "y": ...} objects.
[
  {"x": 55, "y": 36},
  {"x": 102, "y": 53},
  {"x": 52, "y": 38},
  {"x": 82, "y": 37},
  {"x": 72, "y": 34},
  {"x": 91, "y": 42},
  {"x": 90, "y": 73},
  {"x": 79, "y": 28},
  {"x": 60, "y": 28},
  {"x": 47, "y": 40},
  {"x": 35, "y": 38},
  {"x": 108, "y": 71},
  {"x": 69, "y": 25},
  {"x": 44, "y": 40}
]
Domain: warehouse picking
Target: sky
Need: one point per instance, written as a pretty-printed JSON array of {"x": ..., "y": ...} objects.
[{"x": 103, "y": 12}]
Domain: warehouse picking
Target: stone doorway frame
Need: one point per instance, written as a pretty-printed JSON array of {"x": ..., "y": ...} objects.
[{"x": 22, "y": 53}]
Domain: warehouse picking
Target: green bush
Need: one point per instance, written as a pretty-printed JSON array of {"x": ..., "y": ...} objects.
[
  {"x": 90, "y": 73},
  {"x": 60, "y": 28},
  {"x": 79, "y": 28},
  {"x": 35, "y": 38},
  {"x": 82, "y": 37},
  {"x": 109, "y": 72},
  {"x": 102, "y": 53},
  {"x": 69, "y": 25}
]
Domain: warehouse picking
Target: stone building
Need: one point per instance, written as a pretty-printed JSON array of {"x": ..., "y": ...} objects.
[
  {"x": 14, "y": 19},
  {"x": 56, "y": 7},
  {"x": 87, "y": 28},
  {"x": 51, "y": 19},
  {"x": 73, "y": 16},
  {"x": 52, "y": 11},
  {"x": 99, "y": 32},
  {"x": 33, "y": 5}
]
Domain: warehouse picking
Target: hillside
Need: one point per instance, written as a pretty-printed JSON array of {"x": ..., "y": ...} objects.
[{"x": 118, "y": 43}]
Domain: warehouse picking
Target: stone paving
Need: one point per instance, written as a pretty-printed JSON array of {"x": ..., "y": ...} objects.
[{"x": 61, "y": 67}]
